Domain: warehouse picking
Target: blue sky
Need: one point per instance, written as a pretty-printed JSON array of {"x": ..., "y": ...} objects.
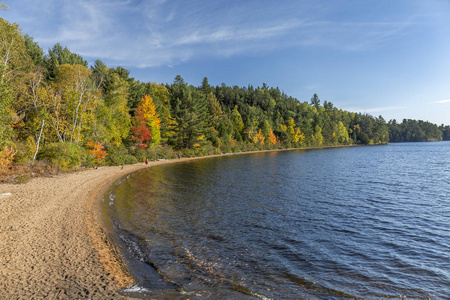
[{"x": 388, "y": 57}]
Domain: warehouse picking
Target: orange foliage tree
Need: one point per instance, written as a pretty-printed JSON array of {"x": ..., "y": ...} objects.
[
  {"x": 96, "y": 149},
  {"x": 272, "y": 137}
]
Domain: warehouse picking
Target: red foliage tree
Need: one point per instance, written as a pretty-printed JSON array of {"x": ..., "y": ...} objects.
[{"x": 141, "y": 133}]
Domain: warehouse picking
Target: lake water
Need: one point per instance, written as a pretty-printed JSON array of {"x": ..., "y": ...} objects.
[{"x": 359, "y": 222}]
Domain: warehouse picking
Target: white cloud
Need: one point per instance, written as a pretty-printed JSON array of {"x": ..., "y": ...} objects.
[
  {"x": 442, "y": 101},
  {"x": 375, "y": 109}
]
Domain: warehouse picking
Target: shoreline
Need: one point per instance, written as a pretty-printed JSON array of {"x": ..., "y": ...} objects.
[
  {"x": 54, "y": 240},
  {"x": 119, "y": 270}
]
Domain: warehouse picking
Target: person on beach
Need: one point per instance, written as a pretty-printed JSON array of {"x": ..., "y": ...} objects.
[
  {"x": 146, "y": 161},
  {"x": 179, "y": 155}
]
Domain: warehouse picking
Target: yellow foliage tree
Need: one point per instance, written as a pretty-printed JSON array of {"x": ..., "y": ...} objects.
[
  {"x": 341, "y": 135},
  {"x": 113, "y": 121},
  {"x": 78, "y": 98},
  {"x": 148, "y": 108},
  {"x": 259, "y": 137},
  {"x": 298, "y": 137},
  {"x": 57, "y": 119}
]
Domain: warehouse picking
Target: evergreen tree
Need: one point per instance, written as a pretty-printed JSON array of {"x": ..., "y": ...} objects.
[
  {"x": 190, "y": 112},
  {"x": 238, "y": 124},
  {"x": 58, "y": 56},
  {"x": 34, "y": 51}
]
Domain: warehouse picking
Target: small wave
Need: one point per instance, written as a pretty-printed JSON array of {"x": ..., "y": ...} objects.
[
  {"x": 136, "y": 289},
  {"x": 111, "y": 198}
]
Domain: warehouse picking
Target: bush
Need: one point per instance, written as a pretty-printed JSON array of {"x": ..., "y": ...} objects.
[
  {"x": 188, "y": 153},
  {"x": 160, "y": 152},
  {"x": 207, "y": 149},
  {"x": 25, "y": 151},
  {"x": 116, "y": 155},
  {"x": 97, "y": 154},
  {"x": 139, "y": 153},
  {"x": 119, "y": 156},
  {"x": 6, "y": 157},
  {"x": 65, "y": 156}
]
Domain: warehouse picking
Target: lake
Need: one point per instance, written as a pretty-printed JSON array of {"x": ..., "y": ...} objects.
[{"x": 357, "y": 222}]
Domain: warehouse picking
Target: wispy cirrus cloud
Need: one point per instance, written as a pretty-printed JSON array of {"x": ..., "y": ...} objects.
[
  {"x": 441, "y": 101},
  {"x": 373, "y": 110},
  {"x": 159, "y": 32}
]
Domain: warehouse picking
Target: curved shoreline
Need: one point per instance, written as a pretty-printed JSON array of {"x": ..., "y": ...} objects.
[
  {"x": 53, "y": 239},
  {"x": 52, "y": 244}
]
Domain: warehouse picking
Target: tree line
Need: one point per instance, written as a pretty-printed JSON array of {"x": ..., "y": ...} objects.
[
  {"x": 56, "y": 108},
  {"x": 414, "y": 131}
]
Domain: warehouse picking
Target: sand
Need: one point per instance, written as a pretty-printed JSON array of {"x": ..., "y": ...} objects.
[{"x": 52, "y": 240}]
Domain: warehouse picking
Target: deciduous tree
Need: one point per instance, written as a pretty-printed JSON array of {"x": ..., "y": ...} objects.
[{"x": 147, "y": 110}]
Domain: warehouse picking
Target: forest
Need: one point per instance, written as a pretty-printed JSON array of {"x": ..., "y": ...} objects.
[
  {"x": 415, "y": 131},
  {"x": 58, "y": 111}
]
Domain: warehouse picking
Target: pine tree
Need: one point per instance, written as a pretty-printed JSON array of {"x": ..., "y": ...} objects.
[{"x": 190, "y": 109}]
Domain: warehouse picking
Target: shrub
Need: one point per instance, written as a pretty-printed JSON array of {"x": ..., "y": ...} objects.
[
  {"x": 64, "y": 155},
  {"x": 207, "y": 149},
  {"x": 160, "y": 152},
  {"x": 96, "y": 151},
  {"x": 188, "y": 153},
  {"x": 139, "y": 153},
  {"x": 119, "y": 155},
  {"x": 6, "y": 157},
  {"x": 22, "y": 178},
  {"x": 25, "y": 151}
]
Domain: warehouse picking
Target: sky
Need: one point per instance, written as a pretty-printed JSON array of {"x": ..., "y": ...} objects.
[{"x": 382, "y": 57}]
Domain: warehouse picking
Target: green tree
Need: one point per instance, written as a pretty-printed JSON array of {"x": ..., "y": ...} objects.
[
  {"x": 58, "y": 56},
  {"x": 238, "y": 124},
  {"x": 317, "y": 138},
  {"x": 14, "y": 66},
  {"x": 161, "y": 98},
  {"x": 266, "y": 130},
  {"x": 101, "y": 76},
  {"x": 111, "y": 118},
  {"x": 315, "y": 101},
  {"x": 214, "y": 110},
  {"x": 34, "y": 51},
  {"x": 190, "y": 110}
]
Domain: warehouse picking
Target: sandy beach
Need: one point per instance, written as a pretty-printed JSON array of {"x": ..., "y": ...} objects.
[
  {"x": 53, "y": 244},
  {"x": 52, "y": 240}
]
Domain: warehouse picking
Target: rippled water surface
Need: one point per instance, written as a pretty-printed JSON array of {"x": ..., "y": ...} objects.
[{"x": 361, "y": 222}]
